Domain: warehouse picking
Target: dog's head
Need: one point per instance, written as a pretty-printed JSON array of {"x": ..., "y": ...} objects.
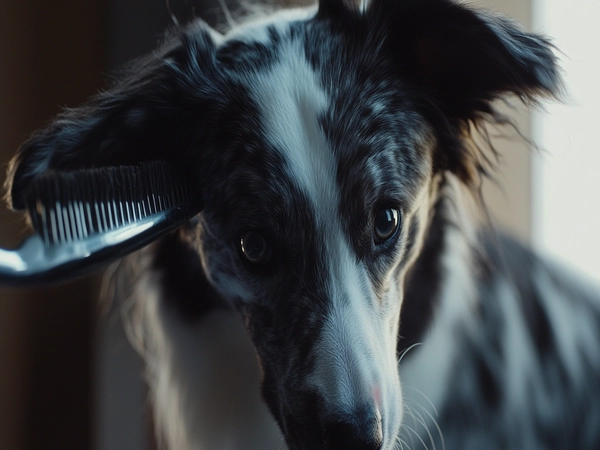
[{"x": 317, "y": 139}]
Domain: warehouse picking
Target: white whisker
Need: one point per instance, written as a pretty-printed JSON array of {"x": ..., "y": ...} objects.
[
  {"x": 419, "y": 418},
  {"x": 435, "y": 423},
  {"x": 426, "y": 399},
  {"x": 413, "y": 431},
  {"x": 402, "y": 443},
  {"x": 405, "y": 351}
]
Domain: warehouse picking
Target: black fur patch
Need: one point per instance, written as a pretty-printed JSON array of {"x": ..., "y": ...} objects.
[{"x": 184, "y": 284}]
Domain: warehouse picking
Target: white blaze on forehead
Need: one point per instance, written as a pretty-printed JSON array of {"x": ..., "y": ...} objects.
[
  {"x": 356, "y": 349},
  {"x": 291, "y": 100}
]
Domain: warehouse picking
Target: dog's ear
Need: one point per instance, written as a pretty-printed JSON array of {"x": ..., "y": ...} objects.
[
  {"x": 161, "y": 110},
  {"x": 457, "y": 61},
  {"x": 462, "y": 57}
]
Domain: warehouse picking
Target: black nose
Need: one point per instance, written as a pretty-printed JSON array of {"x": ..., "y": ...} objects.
[{"x": 361, "y": 431}]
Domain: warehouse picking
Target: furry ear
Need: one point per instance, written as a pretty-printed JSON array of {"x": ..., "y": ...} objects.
[
  {"x": 460, "y": 60},
  {"x": 159, "y": 111},
  {"x": 462, "y": 57}
]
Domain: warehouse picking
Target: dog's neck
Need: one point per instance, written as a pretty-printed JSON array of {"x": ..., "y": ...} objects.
[{"x": 426, "y": 281}]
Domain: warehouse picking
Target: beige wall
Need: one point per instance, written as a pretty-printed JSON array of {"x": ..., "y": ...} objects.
[{"x": 510, "y": 200}]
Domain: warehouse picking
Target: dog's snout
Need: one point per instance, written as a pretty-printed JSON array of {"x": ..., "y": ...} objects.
[{"x": 361, "y": 431}]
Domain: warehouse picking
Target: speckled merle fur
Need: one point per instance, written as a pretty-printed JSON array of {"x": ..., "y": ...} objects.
[{"x": 301, "y": 128}]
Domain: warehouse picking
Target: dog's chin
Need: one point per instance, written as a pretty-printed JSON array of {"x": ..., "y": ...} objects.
[{"x": 300, "y": 437}]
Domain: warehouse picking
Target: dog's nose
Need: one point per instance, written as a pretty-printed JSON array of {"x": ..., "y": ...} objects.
[{"x": 360, "y": 431}]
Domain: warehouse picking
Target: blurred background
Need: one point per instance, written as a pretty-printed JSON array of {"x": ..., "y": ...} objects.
[{"x": 68, "y": 377}]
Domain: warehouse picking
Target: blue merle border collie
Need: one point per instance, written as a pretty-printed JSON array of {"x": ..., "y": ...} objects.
[{"x": 332, "y": 148}]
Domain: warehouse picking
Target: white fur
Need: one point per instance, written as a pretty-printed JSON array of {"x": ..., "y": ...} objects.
[
  {"x": 355, "y": 352},
  {"x": 291, "y": 100},
  {"x": 205, "y": 380}
]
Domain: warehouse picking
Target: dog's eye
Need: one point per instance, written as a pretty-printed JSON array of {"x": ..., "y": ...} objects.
[
  {"x": 386, "y": 223},
  {"x": 255, "y": 247}
]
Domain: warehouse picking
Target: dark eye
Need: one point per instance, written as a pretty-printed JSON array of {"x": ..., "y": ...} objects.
[
  {"x": 255, "y": 247},
  {"x": 387, "y": 221}
]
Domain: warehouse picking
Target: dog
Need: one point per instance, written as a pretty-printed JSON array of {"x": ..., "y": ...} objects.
[{"x": 334, "y": 292}]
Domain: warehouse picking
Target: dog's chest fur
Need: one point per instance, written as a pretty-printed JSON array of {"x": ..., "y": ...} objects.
[{"x": 500, "y": 357}]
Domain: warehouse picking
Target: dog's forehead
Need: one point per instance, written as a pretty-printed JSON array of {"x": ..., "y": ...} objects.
[
  {"x": 317, "y": 120},
  {"x": 290, "y": 103}
]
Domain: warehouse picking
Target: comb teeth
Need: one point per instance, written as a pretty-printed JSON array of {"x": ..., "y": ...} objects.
[{"x": 71, "y": 206}]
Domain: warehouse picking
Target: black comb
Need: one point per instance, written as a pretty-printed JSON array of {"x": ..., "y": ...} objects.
[{"x": 85, "y": 219}]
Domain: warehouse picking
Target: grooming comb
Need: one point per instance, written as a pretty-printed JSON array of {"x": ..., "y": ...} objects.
[{"x": 86, "y": 219}]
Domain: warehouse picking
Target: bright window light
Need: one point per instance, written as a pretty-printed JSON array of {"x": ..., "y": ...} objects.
[{"x": 566, "y": 216}]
